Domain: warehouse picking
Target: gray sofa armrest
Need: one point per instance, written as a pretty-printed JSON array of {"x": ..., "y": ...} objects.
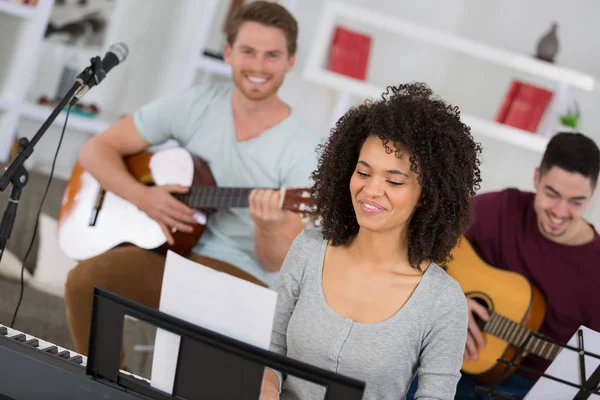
[{"x": 27, "y": 212}]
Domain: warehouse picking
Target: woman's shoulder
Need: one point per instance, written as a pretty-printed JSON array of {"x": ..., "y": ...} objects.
[
  {"x": 444, "y": 287},
  {"x": 311, "y": 236},
  {"x": 308, "y": 244}
]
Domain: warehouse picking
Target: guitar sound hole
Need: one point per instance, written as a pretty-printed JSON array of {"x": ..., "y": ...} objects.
[{"x": 484, "y": 303}]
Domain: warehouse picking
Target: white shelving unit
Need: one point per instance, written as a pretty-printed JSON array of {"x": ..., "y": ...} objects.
[
  {"x": 26, "y": 24},
  {"x": 17, "y": 10},
  {"x": 213, "y": 65},
  {"x": 16, "y": 81},
  {"x": 347, "y": 87},
  {"x": 40, "y": 113},
  {"x": 5, "y": 105}
]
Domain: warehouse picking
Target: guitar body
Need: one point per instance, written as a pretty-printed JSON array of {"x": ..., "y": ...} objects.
[
  {"x": 120, "y": 222},
  {"x": 502, "y": 292}
]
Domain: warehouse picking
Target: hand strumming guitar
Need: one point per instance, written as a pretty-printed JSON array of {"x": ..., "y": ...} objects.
[
  {"x": 170, "y": 213},
  {"x": 474, "y": 336}
]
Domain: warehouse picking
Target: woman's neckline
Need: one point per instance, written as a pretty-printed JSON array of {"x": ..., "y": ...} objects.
[{"x": 416, "y": 292}]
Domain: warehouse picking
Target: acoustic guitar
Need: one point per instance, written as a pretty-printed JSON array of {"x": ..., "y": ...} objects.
[
  {"x": 516, "y": 308},
  {"x": 92, "y": 220}
]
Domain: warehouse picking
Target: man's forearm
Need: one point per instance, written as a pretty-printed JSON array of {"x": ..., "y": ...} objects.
[
  {"x": 271, "y": 247},
  {"x": 107, "y": 166}
]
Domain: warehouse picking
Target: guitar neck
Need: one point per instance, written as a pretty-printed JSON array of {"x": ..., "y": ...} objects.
[
  {"x": 516, "y": 334},
  {"x": 215, "y": 197}
]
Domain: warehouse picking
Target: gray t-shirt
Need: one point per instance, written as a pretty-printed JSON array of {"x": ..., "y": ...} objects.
[
  {"x": 201, "y": 120},
  {"x": 426, "y": 336}
]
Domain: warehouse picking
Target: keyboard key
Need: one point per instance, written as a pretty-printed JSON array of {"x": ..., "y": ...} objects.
[
  {"x": 78, "y": 359},
  {"x": 19, "y": 337},
  {"x": 51, "y": 348},
  {"x": 64, "y": 354}
]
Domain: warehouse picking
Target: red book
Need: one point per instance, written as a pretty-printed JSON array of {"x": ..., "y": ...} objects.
[
  {"x": 349, "y": 53},
  {"x": 540, "y": 104},
  {"x": 523, "y": 106},
  {"x": 508, "y": 98}
]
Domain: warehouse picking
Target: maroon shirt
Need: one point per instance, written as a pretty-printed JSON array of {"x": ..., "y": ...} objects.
[{"x": 505, "y": 234}]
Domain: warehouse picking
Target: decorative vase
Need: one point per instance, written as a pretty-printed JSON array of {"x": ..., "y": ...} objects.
[{"x": 547, "y": 46}]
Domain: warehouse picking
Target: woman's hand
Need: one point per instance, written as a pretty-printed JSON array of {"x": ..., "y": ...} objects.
[
  {"x": 270, "y": 386},
  {"x": 269, "y": 392}
]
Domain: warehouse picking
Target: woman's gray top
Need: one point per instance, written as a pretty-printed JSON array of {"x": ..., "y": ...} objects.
[{"x": 426, "y": 336}]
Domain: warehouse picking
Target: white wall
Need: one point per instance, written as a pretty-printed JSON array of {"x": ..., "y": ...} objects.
[
  {"x": 393, "y": 60},
  {"x": 162, "y": 38},
  {"x": 479, "y": 87}
]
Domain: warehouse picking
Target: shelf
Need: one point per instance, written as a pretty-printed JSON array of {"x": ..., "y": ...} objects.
[
  {"x": 492, "y": 129},
  {"x": 83, "y": 124},
  {"x": 508, "y": 134},
  {"x": 443, "y": 39},
  {"x": 213, "y": 65},
  {"x": 17, "y": 10}
]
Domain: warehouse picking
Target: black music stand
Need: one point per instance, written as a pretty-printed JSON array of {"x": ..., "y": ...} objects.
[
  {"x": 209, "y": 365},
  {"x": 586, "y": 388}
]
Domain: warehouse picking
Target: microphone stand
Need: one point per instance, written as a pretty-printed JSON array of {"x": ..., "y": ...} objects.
[{"x": 16, "y": 173}]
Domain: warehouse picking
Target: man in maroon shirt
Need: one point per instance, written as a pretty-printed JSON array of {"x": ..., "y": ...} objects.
[{"x": 544, "y": 237}]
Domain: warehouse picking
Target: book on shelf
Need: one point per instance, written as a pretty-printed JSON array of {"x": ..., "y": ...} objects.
[
  {"x": 523, "y": 106},
  {"x": 26, "y": 2},
  {"x": 349, "y": 54}
]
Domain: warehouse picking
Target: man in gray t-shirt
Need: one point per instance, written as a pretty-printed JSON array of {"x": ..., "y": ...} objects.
[{"x": 249, "y": 137}]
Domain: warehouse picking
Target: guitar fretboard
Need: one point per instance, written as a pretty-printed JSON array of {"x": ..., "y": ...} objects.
[
  {"x": 215, "y": 197},
  {"x": 516, "y": 334}
]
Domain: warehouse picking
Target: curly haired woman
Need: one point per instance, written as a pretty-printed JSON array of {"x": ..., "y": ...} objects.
[{"x": 363, "y": 295}]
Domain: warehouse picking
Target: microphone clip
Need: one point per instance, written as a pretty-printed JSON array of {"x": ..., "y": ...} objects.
[{"x": 88, "y": 78}]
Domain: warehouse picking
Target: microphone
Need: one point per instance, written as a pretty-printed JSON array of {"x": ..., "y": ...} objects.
[
  {"x": 116, "y": 54},
  {"x": 94, "y": 74}
]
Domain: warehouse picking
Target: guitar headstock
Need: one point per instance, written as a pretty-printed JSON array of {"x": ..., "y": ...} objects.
[{"x": 297, "y": 200}]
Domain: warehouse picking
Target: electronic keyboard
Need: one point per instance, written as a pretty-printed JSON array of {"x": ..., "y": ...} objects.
[{"x": 32, "y": 368}]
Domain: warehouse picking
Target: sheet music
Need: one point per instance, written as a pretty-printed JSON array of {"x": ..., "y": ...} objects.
[
  {"x": 566, "y": 366},
  {"x": 213, "y": 300}
]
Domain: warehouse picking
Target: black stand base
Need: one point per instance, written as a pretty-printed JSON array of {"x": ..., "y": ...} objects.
[{"x": 586, "y": 388}]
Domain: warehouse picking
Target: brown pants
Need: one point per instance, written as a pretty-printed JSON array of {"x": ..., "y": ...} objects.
[{"x": 128, "y": 271}]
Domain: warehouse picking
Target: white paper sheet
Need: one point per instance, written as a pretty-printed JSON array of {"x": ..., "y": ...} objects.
[
  {"x": 213, "y": 300},
  {"x": 566, "y": 366}
]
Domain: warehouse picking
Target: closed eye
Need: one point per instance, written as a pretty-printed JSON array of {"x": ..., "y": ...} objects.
[
  {"x": 362, "y": 174},
  {"x": 395, "y": 183}
]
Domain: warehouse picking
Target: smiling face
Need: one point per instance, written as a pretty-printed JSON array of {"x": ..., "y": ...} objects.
[
  {"x": 385, "y": 192},
  {"x": 560, "y": 202},
  {"x": 259, "y": 60}
]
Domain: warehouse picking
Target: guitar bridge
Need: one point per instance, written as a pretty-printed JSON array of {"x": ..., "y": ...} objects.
[{"x": 97, "y": 207}]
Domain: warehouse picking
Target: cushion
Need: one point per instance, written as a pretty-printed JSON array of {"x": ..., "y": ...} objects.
[
  {"x": 10, "y": 267},
  {"x": 27, "y": 211},
  {"x": 52, "y": 265}
]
